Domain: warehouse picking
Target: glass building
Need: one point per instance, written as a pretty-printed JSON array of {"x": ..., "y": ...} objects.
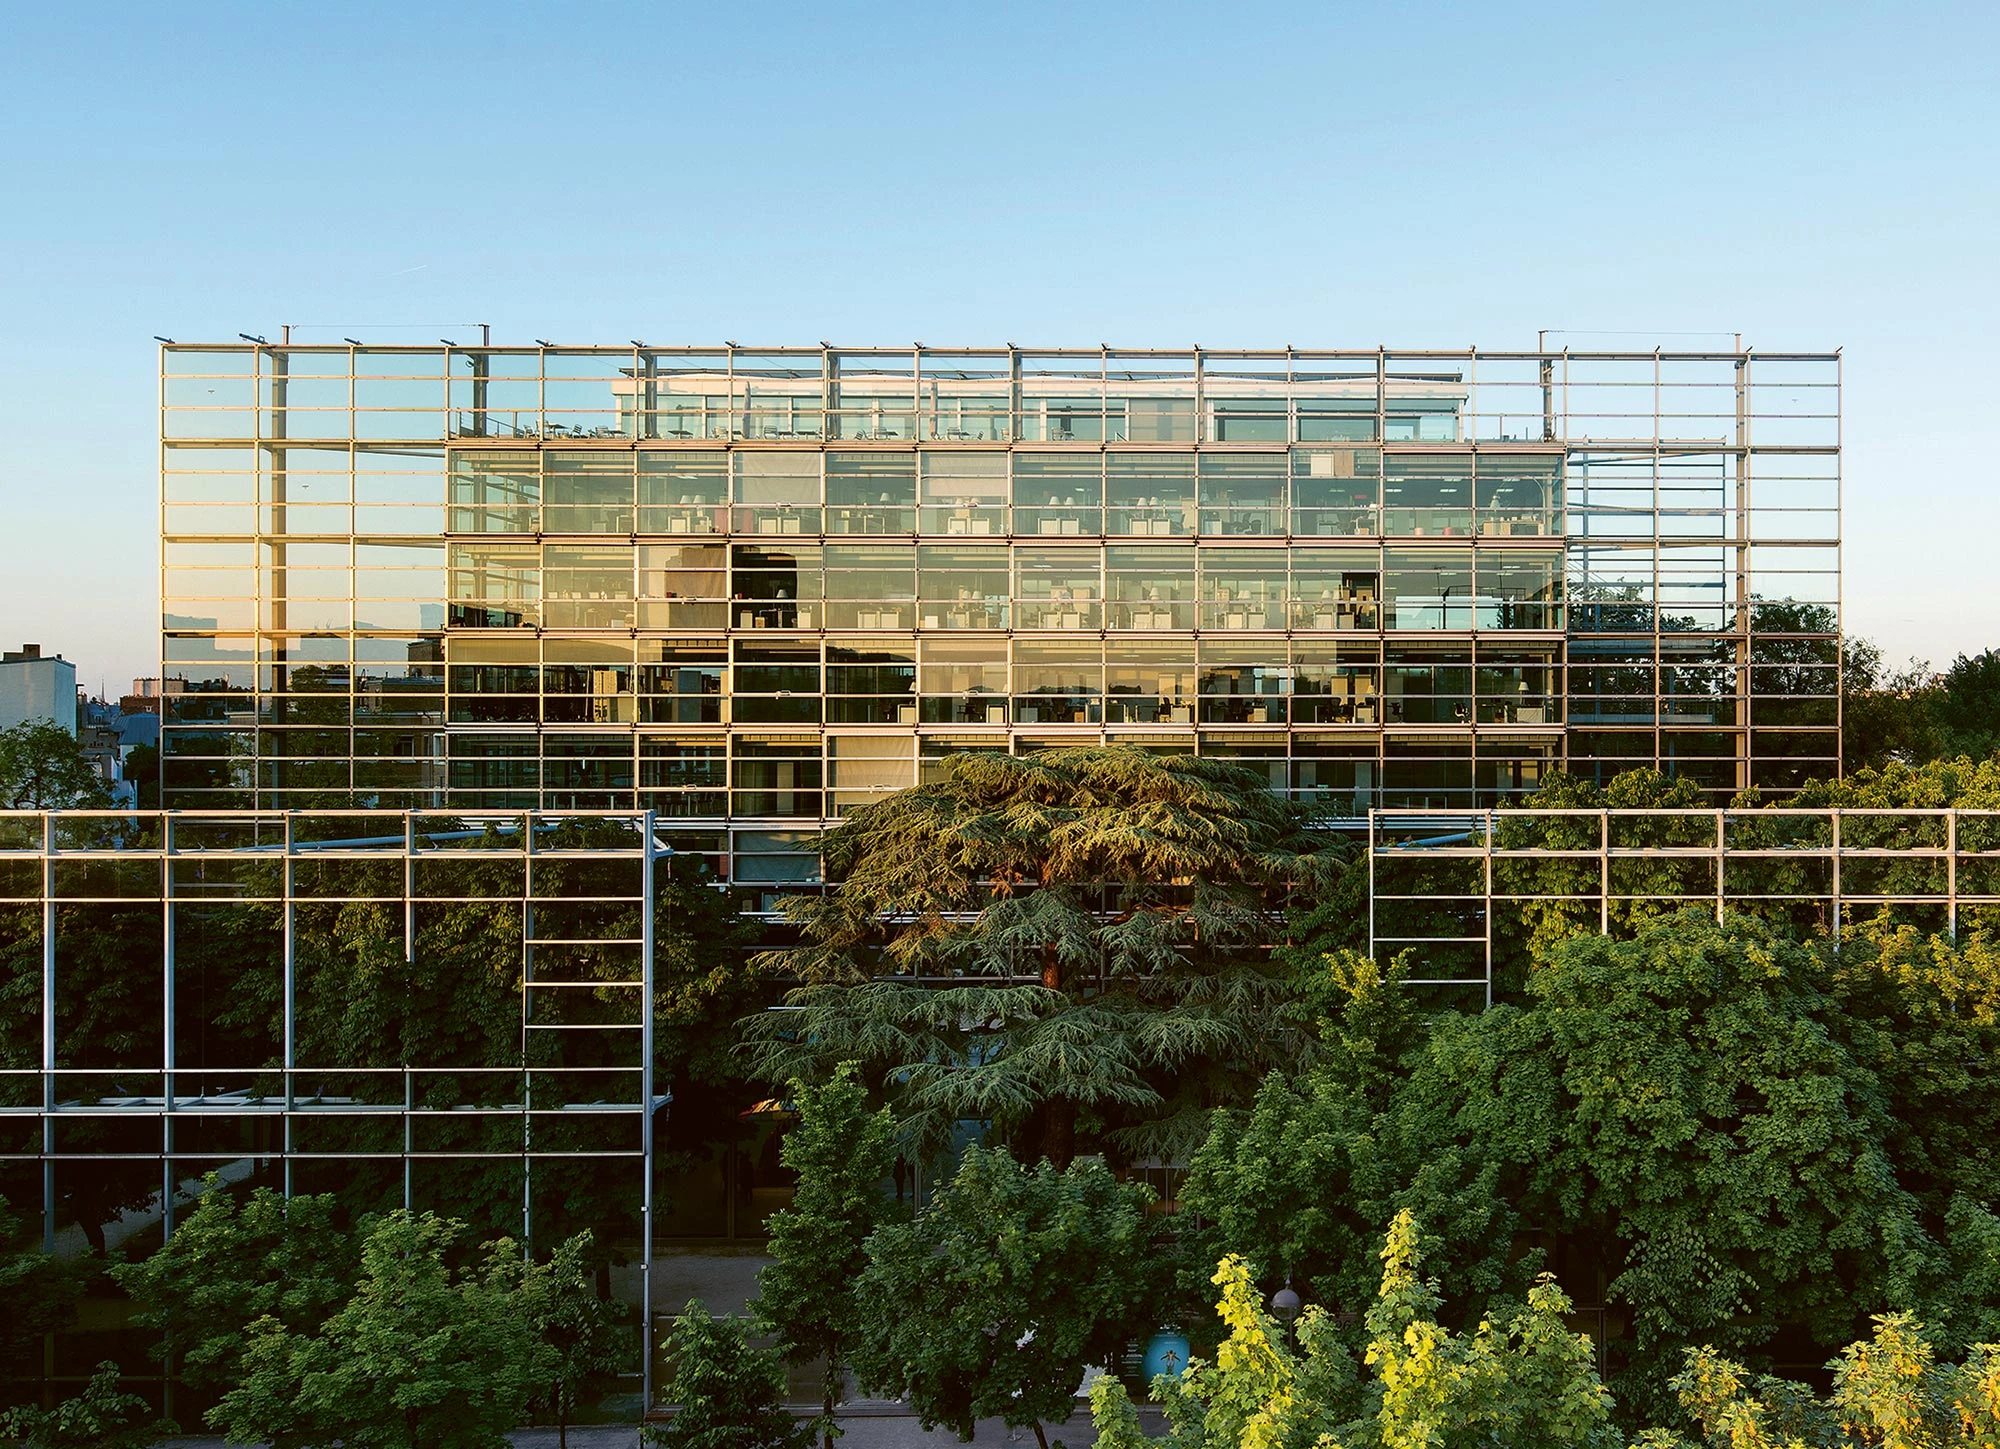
[{"x": 750, "y": 589}]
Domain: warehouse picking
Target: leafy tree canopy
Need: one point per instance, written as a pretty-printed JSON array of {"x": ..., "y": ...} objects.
[
  {"x": 808, "y": 1295},
  {"x": 42, "y": 767},
  {"x": 1096, "y": 926},
  {"x": 103, "y": 1416},
  {"x": 1704, "y": 1120},
  {"x": 421, "y": 1357},
  {"x": 726, "y": 1393},
  {"x": 1523, "y": 1380},
  {"x": 995, "y": 1299},
  {"x": 227, "y": 1265}
]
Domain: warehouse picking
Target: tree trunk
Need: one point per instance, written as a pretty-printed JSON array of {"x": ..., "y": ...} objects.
[
  {"x": 1059, "y": 1131},
  {"x": 1058, "y": 1114},
  {"x": 562, "y": 1420},
  {"x": 1041, "y": 1438}
]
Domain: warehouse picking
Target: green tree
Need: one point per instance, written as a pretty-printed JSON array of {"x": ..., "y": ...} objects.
[
  {"x": 421, "y": 1357},
  {"x": 1676, "y": 1104},
  {"x": 1968, "y": 714},
  {"x": 1138, "y": 895},
  {"x": 142, "y": 771},
  {"x": 1888, "y": 1391},
  {"x": 560, "y": 1299},
  {"x": 998, "y": 1296},
  {"x": 103, "y": 1416},
  {"x": 267, "y": 1260},
  {"x": 726, "y": 1393},
  {"x": 42, "y": 767},
  {"x": 40, "y": 1293},
  {"x": 807, "y": 1296},
  {"x": 1525, "y": 1380}
]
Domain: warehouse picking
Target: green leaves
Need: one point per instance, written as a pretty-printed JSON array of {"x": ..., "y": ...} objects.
[
  {"x": 227, "y": 1265},
  {"x": 421, "y": 1357},
  {"x": 1143, "y": 893},
  {"x": 994, "y": 1300},
  {"x": 807, "y": 1296},
  {"x": 42, "y": 767},
  {"x": 726, "y": 1393},
  {"x": 1527, "y": 1380}
]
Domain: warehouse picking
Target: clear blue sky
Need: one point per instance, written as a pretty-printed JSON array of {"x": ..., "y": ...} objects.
[{"x": 1811, "y": 176}]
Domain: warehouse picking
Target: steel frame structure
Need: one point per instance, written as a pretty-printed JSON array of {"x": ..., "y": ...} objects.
[
  {"x": 1955, "y": 856},
  {"x": 73, "y": 1101},
  {"x": 315, "y": 548}
]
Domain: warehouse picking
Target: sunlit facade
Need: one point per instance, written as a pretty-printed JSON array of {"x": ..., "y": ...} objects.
[{"x": 748, "y": 590}]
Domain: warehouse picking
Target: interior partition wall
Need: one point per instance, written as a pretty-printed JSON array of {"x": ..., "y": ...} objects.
[
  {"x": 403, "y": 1009},
  {"x": 754, "y": 586}
]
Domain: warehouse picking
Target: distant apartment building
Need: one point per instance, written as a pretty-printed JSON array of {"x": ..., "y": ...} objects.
[
  {"x": 750, "y": 589},
  {"x": 36, "y": 686}
]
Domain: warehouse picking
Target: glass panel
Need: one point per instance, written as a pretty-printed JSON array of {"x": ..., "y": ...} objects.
[
  {"x": 1057, "y": 588},
  {"x": 1242, "y": 684},
  {"x": 1058, "y": 681},
  {"x": 683, "y": 586},
  {"x": 963, "y": 681},
  {"x": 1336, "y": 491},
  {"x": 1150, "y": 681},
  {"x": 1150, "y": 493},
  {"x": 1335, "y": 588},
  {"x": 1058, "y": 493},
  {"x": 871, "y": 493},
  {"x": 1336, "y": 682},
  {"x": 1243, "y": 495},
  {"x": 1428, "y": 588},
  {"x": 781, "y": 491},
  {"x": 1518, "y": 494},
  {"x": 966, "y": 398},
  {"x": 775, "y": 588},
  {"x": 870, "y": 586},
  {"x": 680, "y": 681},
  {"x": 683, "y": 492},
  {"x": 1243, "y": 588},
  {"x": 1428, "y": 683},
  {"x": 587, "y": 492},
  {"x": 964, "y": 494},
  {"x": 1427, "y": 494},
  {"x": 1149, "y": 587},
  {"x": 495, "y": 586},
  {"x": 1519, "y": 589},
  {"x": 963, "y": 586},
  {"x": 496, "y": 492}
]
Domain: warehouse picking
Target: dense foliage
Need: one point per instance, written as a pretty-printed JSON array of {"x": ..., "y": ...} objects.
[
  {"x": 1525, "y": 1379},
  {"x": 1003, "y": 1290},
  {"x": 726, "y": 1394},
  {"x": 1915, "y": 714},
  {"x": 1722, "y": 1134},
  {"x": 1072, "y": 946},
  {"x": 808, "y": 1296}
]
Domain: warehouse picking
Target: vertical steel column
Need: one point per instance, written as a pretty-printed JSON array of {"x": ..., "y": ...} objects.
[
  {"x": 1742, "y": 569},
  {"x": 1951, "y": 872},
  {"x": 167, "y": 1060},
  {"x": 1486, "y": 863},
  {"x": 1721, "y": 858},
  {"x": 527, "y": 976},
  {"x": 1834, "y": 816},
  {"x": 1371, "y": 883},
  {"x": 1604, "y": 872},
  {"x": 646, "y": 947},
  {"x": 48, "y": 1033},
  {"x": 291, "y": 1041}
]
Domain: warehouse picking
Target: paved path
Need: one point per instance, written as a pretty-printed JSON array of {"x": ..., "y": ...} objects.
[{"x": 871, "y": 1426}]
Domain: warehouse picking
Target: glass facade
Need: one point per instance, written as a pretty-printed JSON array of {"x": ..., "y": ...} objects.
[{"x": 750, "y": 590}]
